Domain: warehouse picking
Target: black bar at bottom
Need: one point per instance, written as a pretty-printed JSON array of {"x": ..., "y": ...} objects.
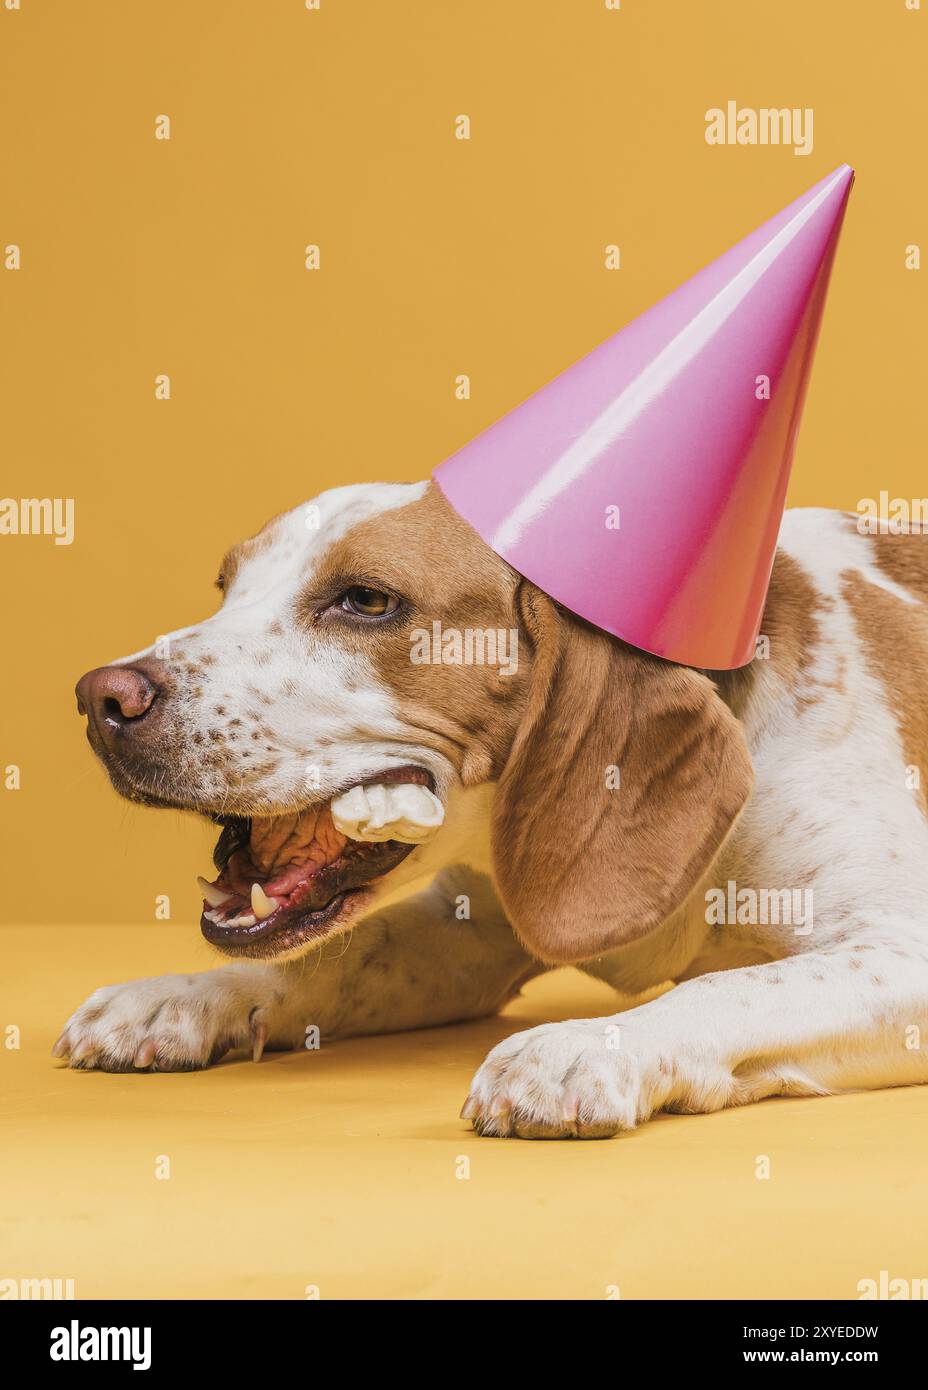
[{"x": 156, "y": 1338}]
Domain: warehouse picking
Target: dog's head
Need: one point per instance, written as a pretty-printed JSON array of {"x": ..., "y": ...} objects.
[{"x": 371, "y": 639}]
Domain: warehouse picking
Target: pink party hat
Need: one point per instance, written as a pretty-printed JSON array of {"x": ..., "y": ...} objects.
[{"x": 643, "y": 487}]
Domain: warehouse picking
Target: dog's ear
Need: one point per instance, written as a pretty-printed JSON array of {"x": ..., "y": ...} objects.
[{"x": 625, "y": 776}]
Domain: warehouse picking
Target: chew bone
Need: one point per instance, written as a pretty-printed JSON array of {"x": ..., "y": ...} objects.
[{"x": 393, "y": 811}]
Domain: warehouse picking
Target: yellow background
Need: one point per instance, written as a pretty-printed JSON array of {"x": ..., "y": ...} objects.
[{"x": 438, "y": 257}]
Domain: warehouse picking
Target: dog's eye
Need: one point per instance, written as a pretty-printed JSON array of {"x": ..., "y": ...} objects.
[
  {"x": 368, "y": 603},
  {"x": 221, "y": 583}
]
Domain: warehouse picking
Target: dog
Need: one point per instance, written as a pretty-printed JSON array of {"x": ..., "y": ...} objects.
[{"x": 647, "y": 822}]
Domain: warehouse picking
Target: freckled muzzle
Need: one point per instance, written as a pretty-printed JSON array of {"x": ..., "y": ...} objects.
[
  {"x": 285, "y": 880},
  {"x": 133, "y": 727}
]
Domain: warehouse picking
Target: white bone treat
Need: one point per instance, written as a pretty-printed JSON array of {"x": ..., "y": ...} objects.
[{"x": 392, "y": 811}]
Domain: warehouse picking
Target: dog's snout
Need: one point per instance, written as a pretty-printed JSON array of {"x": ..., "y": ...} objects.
[{"x": 114, "y": 698}]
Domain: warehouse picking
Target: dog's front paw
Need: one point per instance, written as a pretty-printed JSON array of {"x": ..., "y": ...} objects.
[
  {"x": 580, "y": 1079},
  {"x": 167, "y": 1023}
]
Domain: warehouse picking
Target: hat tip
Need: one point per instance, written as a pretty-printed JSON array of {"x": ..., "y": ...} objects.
[{"x": 840, "y": 180}]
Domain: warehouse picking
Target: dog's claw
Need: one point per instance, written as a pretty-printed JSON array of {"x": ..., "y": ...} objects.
[
  {"x": 469, "y": 1108},
  {"x": 258, "y": 1034},
  {"x": 62, "y": 1046},
  {"x": 145, "y": 1054}
]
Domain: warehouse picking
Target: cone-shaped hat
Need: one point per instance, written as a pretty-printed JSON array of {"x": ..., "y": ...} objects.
[{"x": 643, "y": 488}]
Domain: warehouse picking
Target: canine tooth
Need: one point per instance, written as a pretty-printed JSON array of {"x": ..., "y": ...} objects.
[
  {"x": 393, "y": 811},
  {"x": 261, "y": 905},
  {"x": 213, "y": 895}
]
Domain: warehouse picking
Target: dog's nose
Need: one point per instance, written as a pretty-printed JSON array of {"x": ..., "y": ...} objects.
[{"x": 113, "y": 697}]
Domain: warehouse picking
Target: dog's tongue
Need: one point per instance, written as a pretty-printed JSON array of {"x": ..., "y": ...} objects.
[{"x": 285, "y": 850}]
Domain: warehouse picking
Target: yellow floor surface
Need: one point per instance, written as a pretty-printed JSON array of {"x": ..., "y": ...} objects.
[{"x": 339, "y": 1170}]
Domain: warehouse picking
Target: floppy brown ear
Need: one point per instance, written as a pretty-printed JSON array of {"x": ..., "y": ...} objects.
[{"x": 583, "y": 865}]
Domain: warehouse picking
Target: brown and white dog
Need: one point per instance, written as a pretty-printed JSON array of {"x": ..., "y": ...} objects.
[{"x": 645, "y": 821}]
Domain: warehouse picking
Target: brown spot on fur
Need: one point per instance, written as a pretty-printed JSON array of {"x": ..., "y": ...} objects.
[
  {"x": 426, "y": 554},
  {"x": 904, "y": 560},
  {"x": 894, "y": 639},
  {"x": 791, "y": 622}
]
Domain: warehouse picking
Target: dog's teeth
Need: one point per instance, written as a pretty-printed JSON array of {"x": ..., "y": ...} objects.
[
  {"x": 244, "y": 919},
  {"x": 388, "y": 811},
  {"x": 261, "y": 905},
  {"x": 213, "y": 895}
]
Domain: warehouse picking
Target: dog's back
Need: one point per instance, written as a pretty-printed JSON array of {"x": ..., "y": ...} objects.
[{"x": 836, "y": 714}]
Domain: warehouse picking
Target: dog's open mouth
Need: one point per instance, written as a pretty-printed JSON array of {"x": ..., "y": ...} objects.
[{"x": 287, "y": 880}]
